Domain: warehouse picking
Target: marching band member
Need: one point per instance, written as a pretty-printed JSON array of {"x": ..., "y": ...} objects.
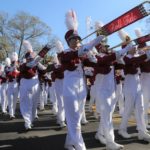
[
  {"x": 59, "y": 76},
  {"x": 145, "y": 78},
  {"x": 145, "y": 83},
  {"x": 133, "y": 95},
  {"x": 12, "y": 90},
  {"x": 74, "y": 88},
  {"x": 2, "y": 90},
  {"x": 29, "y": 86},
  {"x": 105, "y": 97},
  {"x": 105, "y": 92},
  {"x": 53, "y": 97},
  {"x": 119, "y": 90},
  {"x": 92, "y": 102},
  {"x": 89, "y": 73},
  {"x": 4, "y": 99},
  {"x": 1, "y": 69},
  {"x": 43, "y": 93}
]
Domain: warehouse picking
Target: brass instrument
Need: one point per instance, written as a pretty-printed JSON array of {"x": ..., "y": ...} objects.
[
  {"x": 144, "y": 48},
  {"x": 144, "y": 12}
]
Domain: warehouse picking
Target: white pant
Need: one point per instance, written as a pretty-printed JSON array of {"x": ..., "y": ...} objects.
[
  {"x": 43, "y": 96},
  {"x": 92, "y": 95},
  {"x": 60, "y": 101},
  {"x": 106, "y": 124},
  {"x": 120, "y": 98},
  {"x": 4, "y": 100},
  {"x": 74, "y": 93},
  {"x": 29, "y": 89},
  {"x": 12, "y": 92},
  {"x": 133, "y": 100},
  {"x": 0, "y": 92},
  {"x": 105, "y": 103},
  {"x": 145, "y": 82}
]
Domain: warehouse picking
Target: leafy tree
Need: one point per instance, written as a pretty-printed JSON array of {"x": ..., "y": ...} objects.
[
  {"x": 26, "y": 27},
  {"x": 21, "y": 26}
]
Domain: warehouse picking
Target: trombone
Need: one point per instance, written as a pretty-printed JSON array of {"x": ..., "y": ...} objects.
[
  {"x": 104, "y": 31},
  {"x": 145, "y": 38}
]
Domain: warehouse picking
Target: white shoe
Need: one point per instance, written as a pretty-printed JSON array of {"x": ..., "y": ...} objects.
[
  {"x": 113, "y": 146},
  {"x": 124, "y": 134},
  {"x": 100, "y": 138},
  {"x": 54, "y": 111},
  {"x": 84, "y": 122},
  {"x": 96, "y": 115},
  {"x": 148, "y": 126},
  {"x": 90, "y": 108},
  {"x": 143, "y": 136},
  {"x": 80, "y": 147},
  {"x": 62, "y": 124},
  {"x": 28, "y": 127},
  {"x": 69, "y": 147},
  {"x": 36, "y": 117}
]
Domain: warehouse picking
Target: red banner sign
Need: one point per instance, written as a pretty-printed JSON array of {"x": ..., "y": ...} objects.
[
  {"x": 143, "y": 39},
  {"x": 124, "y": 20}
]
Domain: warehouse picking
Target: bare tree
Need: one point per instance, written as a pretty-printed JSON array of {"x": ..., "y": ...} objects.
[
  {"x": 5, "y": 44},
  {"x": 23, "y": 26}
]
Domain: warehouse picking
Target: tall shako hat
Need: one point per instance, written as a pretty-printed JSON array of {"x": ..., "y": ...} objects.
[
  {"x": 28, "y": 49},
  {"x": 14, "y": 57},
  {"x": 98, "y": 25},
  {"x": 138, "y": 33},
  {"x": 72, "y": 26},
  {"x": 59, "y": 46},
  {"x": 124, "y": 36},
  {"x": 7, "y": 61}
]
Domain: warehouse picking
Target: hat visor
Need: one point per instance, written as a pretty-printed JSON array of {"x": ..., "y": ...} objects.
[
  {"x": 107, "y": 46},
  {"x": 74, "y": 36}
]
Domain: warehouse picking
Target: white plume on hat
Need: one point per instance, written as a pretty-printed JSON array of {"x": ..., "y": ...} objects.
[
  {"x": 14, "y": 56},
  {"x": 95, "y": 51},
  {"x": 138, "y": 32},
  {"x": 59, "y": 46},
  {"x": 7, "y": 61},
  {"x": 55, "y": 59},
  {"x": 122, "y": 34},
  {"x": 27, "y": 46},
  {"x": 98, "y": 25},
  {"x": 71, "y": 20}
]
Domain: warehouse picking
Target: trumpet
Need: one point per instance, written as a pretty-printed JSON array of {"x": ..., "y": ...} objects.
[{"x": 98, "y": 32}]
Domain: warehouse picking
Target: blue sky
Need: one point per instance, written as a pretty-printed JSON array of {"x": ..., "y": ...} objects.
[{"x": 53, "y": 12}]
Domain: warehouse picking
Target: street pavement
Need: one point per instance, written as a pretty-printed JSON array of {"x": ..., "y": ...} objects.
[{"x": 47, "y": 135}]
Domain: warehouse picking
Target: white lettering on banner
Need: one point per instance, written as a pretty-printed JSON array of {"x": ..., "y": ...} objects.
[{"x": 125, "y": 20}]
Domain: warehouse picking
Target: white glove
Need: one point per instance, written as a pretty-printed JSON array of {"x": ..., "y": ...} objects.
[
  {"x": 40, "y": 66},
  {"x": 31, "y": 64},
  {"x": 87, "y": 47},
  {"x": 57, "y": 66},
  {"x": 82, "y": 51},
  {"x": 34, "y": 62},
  {"x": 124, "y": 50},
  {"x": 88, "y": 73},
  {"x": 92, "y": 57},
  {"x": 148, "y": 54},
  {"x": 37, "y": 59}
]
